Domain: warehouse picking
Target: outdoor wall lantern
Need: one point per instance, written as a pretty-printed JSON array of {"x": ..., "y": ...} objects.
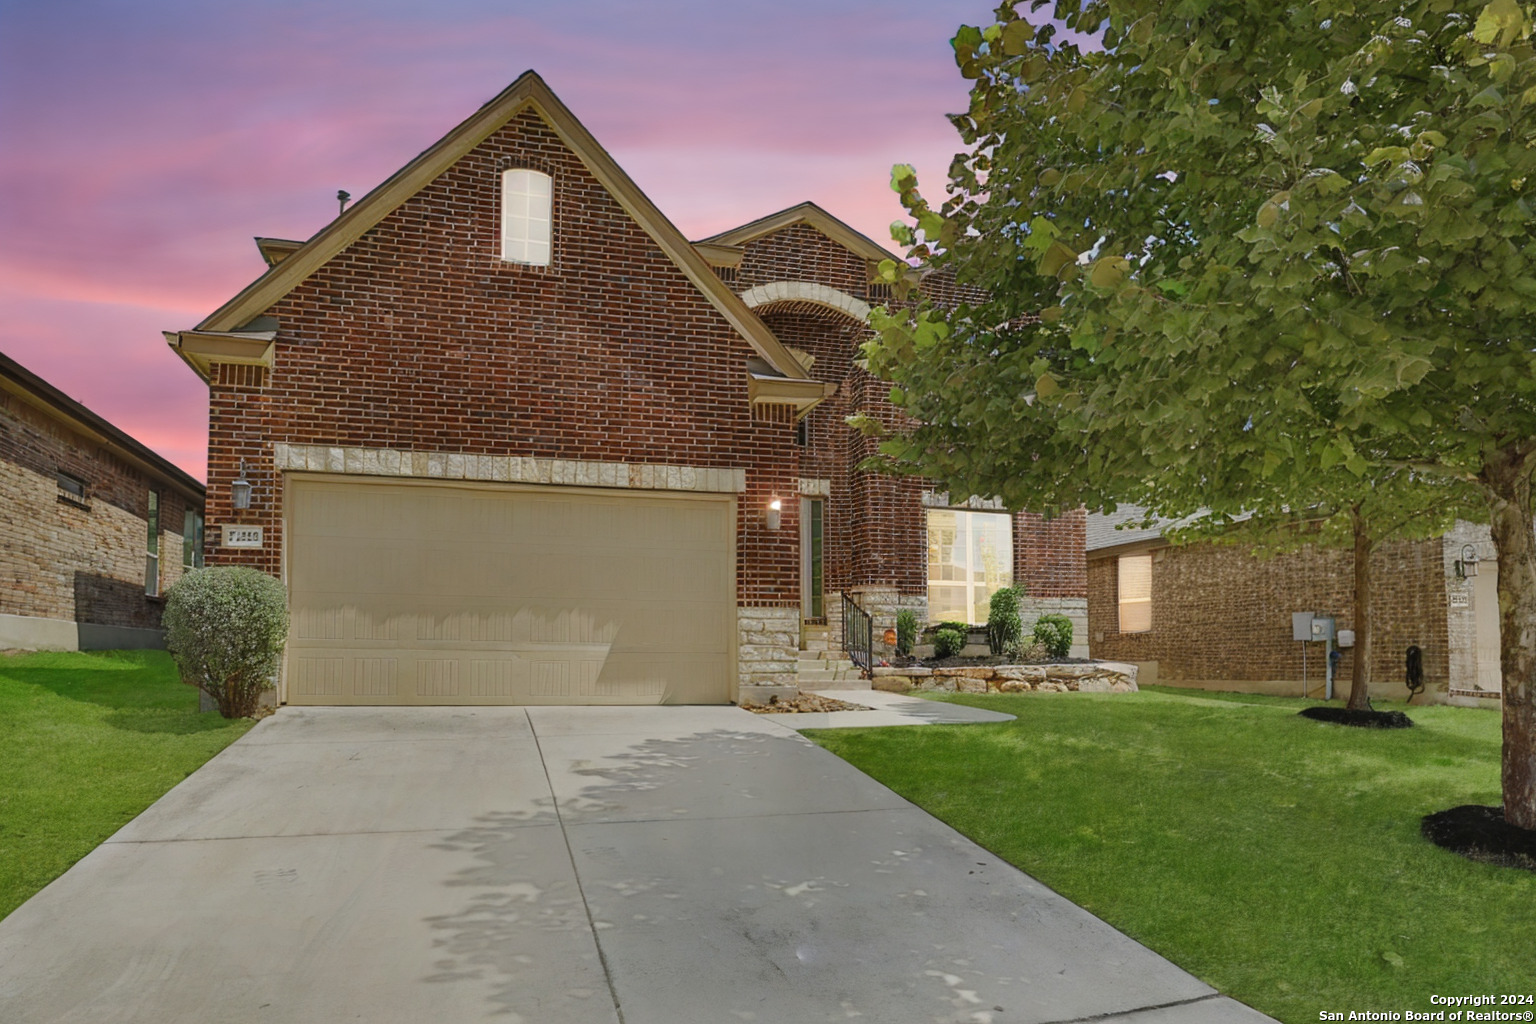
[
  {"x": 1466, "y": 565},
  {"x": 240, "y": 489},
  {"x": 773, "y": 517}
]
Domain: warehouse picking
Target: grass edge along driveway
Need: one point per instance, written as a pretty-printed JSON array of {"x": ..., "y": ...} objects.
[
  {"x": 88, "y": 739},
  {"x": 1276, "y": 858}
]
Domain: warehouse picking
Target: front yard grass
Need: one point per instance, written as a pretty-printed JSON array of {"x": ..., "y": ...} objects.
[
  {"x": 1276, "y": 858},
  {"x": 87, "y": 741}
]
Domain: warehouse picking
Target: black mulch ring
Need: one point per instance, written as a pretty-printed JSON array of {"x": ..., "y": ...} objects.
[
  {"x": 1481, "y": 833},
  {"x": 1360, "y": 719}
]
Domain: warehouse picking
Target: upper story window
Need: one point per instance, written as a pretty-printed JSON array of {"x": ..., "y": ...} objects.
[
  {"x": 1135, "y": 581},
  {"x": 526, "y": 204}
]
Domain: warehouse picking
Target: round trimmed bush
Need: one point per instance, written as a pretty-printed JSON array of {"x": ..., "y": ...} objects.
[
  {"x": 226, "y": 627},
  {"x": 1054, "y": 633},
  {"x": 947, "y": 643}
]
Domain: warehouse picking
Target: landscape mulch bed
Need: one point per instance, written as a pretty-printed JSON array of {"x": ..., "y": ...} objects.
[
  {"x": 805, "y": 703},
  {"x": 1359, "y": 719},
  {"x": 1480, "y": 833}
]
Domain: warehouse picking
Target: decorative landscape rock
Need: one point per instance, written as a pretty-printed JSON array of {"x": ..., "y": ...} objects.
[{"x": 1093, "y": 677}]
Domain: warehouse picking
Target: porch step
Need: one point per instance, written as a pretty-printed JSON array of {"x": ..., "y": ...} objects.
[
  {"x": 828, "y": 670},
  {"x": 815, "y": 638}
]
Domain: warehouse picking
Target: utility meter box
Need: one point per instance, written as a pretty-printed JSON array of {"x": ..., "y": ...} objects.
[
  {"x": 1346, "y": 638},
  {"x": 1322, "y": 628},
  {"x": 1301, "y": 625}
]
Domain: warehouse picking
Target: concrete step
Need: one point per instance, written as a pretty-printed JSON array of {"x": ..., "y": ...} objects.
[{"x": 813, "y": 656}]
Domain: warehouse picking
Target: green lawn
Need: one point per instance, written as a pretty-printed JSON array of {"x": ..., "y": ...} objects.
[
  {"x": 87, "y": 741},
  {"x": 1276, "y": 858}
]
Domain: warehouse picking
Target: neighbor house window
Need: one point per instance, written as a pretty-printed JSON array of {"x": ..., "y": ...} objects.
[
  {"x": 526, "y": 202},
  {"x": 72, "y": 490},
  {"x": 152, "y": 556},
  {"x": 1135, "y": 573},
  {"x": 970, "y": 557},
  {"x": 191, "y": 539}
]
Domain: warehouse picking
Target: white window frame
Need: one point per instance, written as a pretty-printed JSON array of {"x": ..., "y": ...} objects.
[
  {"x": 1133, "y": 583},
  {"x": 977, "y": 593},
  {"x": 527, "y": 217}
]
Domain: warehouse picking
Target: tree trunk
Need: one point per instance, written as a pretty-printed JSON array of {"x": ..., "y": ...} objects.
[
  {"x": 1507, "y": 476},
  {"x": 1360, "y": 678}
]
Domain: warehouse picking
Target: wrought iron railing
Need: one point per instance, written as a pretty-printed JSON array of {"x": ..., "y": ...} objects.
[{"x": 858, "y": 635}]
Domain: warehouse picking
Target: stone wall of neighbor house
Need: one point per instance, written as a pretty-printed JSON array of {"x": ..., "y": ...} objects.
[
  {"x": 78, "y": 561},
  {"x": 1220, "y": 613},
  {"x": 419, "y": 338}
]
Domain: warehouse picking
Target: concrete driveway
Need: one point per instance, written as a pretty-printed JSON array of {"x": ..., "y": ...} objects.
[{"x": 637, "y": 865}]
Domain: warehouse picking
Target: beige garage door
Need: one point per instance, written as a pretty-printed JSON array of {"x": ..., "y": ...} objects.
[{"x": 406, "y": 593}]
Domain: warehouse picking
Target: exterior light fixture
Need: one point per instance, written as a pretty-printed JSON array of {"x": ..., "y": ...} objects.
[
  {"x": 774, "y": 516},
  {"x": 1466, "y": 565},
  {"x": 240, "y": 489}
]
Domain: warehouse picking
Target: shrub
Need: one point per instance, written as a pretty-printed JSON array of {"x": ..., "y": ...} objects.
[
  {"x": 1003, "y": 624},
  {"x": 906, "y": 631},
  {"x": 947, "y": 643},
  {"x": 1025, "y": 651},
  {"x": 225, "y": 627},
  {"x": 959, "y": 627},
  {"x": 1054, "y": 633}
]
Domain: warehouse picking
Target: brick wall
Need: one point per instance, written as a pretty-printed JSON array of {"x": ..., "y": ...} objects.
[
  {"x": 80, "y": 562},
  {"x": 419, "y": 337},
  {"x": 1219, "y": 613},
  {"x": 876, "y": 526}
]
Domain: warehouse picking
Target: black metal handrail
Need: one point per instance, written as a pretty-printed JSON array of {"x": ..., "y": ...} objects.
[{"x": 858, "y": 635}]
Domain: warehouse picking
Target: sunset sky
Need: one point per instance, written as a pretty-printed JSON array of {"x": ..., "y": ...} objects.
[{"x": 143, "y": 144}]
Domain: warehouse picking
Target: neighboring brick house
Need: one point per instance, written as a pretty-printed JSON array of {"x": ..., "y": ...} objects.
[
  {"x": 93, "y": 525},
  {"x": 511, "y": 438},
  {"x": 1218, "y": 617}
]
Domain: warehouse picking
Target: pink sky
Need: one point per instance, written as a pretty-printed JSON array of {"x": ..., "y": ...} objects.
[{"x": 142, "y": 146}]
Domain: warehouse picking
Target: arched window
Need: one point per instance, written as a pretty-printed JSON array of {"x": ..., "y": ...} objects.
[{"x": 526, "y": 201}]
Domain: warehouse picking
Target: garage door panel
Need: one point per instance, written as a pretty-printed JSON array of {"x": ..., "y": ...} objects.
[{"x": 422, "y": 594}]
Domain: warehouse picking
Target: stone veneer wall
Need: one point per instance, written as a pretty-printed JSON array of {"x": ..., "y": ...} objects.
[
  {"x": 768, "y": 642},
  {"x": 882, "y": 604},
  {"x": 1074, "y": 608}
]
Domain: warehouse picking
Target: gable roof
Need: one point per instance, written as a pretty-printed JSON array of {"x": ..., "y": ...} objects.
[
  {"x": 809, "y": 214},
  {"x": 46, "y": 398},
  {"x": 527, "y": 93}
]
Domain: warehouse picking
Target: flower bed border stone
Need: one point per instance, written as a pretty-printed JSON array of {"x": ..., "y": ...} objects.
[{"x": 1090, "y": 677}]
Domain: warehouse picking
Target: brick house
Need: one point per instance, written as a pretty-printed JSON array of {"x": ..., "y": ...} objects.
[
  {"x": 93, "y": 525},
  {"x": 511, "y": 438},
  {"x": 1217, "y": 617}
]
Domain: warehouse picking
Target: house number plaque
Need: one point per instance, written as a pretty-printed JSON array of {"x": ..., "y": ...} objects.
[{"x": 241, "y": 537}]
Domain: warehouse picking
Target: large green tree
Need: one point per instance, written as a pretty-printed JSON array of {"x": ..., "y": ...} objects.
[{"x": 1233, "y": 246}]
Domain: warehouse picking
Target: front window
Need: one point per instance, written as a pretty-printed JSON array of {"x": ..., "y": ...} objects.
[
  {"x": 526, "y": 204},
  {"x": 152, "y": 555},
  {"x": 970, "y": 558},
  {"x": 1135, "y": 572}
]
